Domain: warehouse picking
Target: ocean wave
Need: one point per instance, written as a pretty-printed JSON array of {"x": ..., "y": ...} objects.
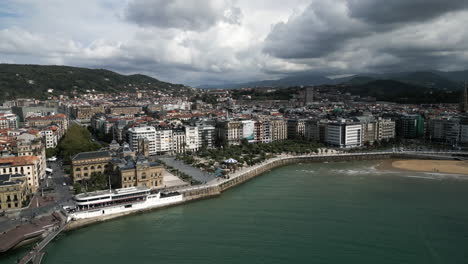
[
  {"x": 422, "y": 177},
  {"x": 306, "y": 171}
]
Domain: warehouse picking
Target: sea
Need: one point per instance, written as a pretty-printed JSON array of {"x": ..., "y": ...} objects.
[{"x": 337, "y": 212}]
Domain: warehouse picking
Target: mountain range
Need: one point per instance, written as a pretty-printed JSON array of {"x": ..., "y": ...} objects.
[{"x": 431, "y": 79}]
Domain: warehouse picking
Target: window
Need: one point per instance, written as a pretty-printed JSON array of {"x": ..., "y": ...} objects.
[
  {"x": 78, "y": 169},
  {"x": 92, "y": 167},
  {"x": 85, "y": 168}
]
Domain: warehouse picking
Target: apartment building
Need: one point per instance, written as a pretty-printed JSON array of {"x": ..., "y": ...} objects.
[
  {"x": 146, "y": 132},
  {"x": 343, "y": 134}
]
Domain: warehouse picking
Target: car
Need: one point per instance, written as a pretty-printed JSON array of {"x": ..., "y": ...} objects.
[
  {"x": 64, "y": 184},
  {"x": 50, "y": 177}
]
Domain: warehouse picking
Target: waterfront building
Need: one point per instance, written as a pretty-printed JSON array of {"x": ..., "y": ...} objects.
[
  {"x": 14, "y": 191},
  {"x": 343, "y": 134},
  {"x": 279, "y": 129},
  {"x": 139, "y": 172},
  {"x": 385, "y": 129},
  {"x": 147, "y": 132},
  {"x": 178, "y": 140},
  {"x": 163, "y": 140},
  {"x": 262, "y": 131},
  {"x": 410, "y": 126},
  {"x": 192, "y": 140},
  {"x": 445, "y": 130},
  {"x": 464, "y": 130},
  {"x": 86, "y": 163},
  {"x": 369, "y": 129},
  {"x": 315, "y": 130},
  {"x": 29, "y": 166},
  {"x": 296, "y": 128},
  {"x": 229, "y": 132},
  {"x": 206, "y": 134},
  {"x": 376, "y": 129}
]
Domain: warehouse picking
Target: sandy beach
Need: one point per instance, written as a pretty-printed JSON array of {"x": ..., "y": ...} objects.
[{"x": 438, "y": 166}]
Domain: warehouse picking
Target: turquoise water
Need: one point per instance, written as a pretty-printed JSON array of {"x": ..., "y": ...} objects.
[{"x": 308, "y": 213}]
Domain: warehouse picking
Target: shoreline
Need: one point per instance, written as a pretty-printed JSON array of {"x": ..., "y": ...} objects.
[{"x": 429, "y": 166}]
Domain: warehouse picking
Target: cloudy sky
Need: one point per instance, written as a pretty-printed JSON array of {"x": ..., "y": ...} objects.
[{"x": 214, "y": 41}]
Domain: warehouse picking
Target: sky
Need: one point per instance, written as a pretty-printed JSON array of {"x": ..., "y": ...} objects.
[{"x": 198, "y": 42}]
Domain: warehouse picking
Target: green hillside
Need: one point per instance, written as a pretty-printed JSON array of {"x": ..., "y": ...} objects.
[
  {"x": 18, "y": 81},
  {"x": 401, "y": 92}
]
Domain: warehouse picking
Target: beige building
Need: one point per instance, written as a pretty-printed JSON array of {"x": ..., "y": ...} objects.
[
  {"x": 87, "y": 111},
  {"x": 125, "y": 110},
  {"x": 86, "y": 163},
  {"x": 230, "y": 132},
  {"x": 60, "y": 120},
  {"x": 29, "y": 166},
  {"x": 139, "y": 172},
  {"x": 385, "y": 129},
  {"x": 14, "y": 191},
  {"x": 279, "y": 129},
  {"x": 32, "y": 145}
]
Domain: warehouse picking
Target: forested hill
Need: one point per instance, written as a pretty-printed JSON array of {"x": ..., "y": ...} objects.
[{"x": 34, "y": 80}]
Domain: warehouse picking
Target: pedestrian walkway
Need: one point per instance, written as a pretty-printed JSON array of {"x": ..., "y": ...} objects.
[{"x": 195, "y": 173}]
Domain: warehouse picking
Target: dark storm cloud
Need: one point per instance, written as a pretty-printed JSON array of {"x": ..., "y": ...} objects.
[
  {"x": 185, "y": 15},
  {"x": 402, "y": 11},
  {"x": 364, "y": 34},
  {"x": 322, "y": 28}
]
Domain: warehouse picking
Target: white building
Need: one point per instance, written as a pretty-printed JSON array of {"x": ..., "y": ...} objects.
[
  {"x": 8, "y": 120},
  {"x": 147, "y": 132},
  {"x": 51, "y": 138},
  {"x": 163, "y": 141},
  {"x": 192, "y": 139},
  {"x": 343, "y": 134},
  {"x": 206, "y": 135}
]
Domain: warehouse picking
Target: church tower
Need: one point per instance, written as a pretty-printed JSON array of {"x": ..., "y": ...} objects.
[{"x": 143, "y": 147}]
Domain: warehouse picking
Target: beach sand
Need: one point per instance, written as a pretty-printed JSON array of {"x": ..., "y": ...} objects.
[{"x": 438, "y": 166}]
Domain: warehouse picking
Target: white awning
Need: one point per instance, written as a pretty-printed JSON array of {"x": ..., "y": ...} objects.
[{"x": 49, "y": 170}]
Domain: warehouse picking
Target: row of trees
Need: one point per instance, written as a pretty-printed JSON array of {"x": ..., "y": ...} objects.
[
  {"x": 247, "y": 153},
  {"x": 260, "y": 150}
]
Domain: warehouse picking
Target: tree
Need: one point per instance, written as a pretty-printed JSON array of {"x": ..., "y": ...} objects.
[{"x": 77, "y": 139}]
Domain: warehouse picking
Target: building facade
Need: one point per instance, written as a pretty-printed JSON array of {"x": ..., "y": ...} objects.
[
  {"x": 14, "y": 191},
  {"x": 86, "y": 163}
]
